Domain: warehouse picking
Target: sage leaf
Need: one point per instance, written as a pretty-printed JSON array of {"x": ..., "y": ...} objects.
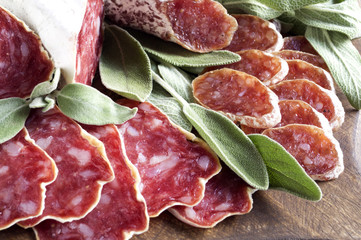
[
  {"x": 13, "y": 114},
  {"x": 289, "y": 5},
  {"x": 284, "y": 172},
  {"x": 124, "y": 66},
  {"x": 342, "y": 58},
  {"x": 229, "y": 142},
  {"x": 89, "y": 106},
  {"x": 252, "y": 7},
  {"x": 168, "y": 52},
  {"x": 38, "y": 102},
  {"x": 47, "y": 87},
  {"x": 295, "y": 26},
  {"x": 344, "y": 17},
  {"x": 50, "y": 100}
]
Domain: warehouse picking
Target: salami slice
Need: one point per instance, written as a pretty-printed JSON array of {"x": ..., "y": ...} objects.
[
  {"x": 226, "y": 195},
  {"x": 25, "y": 170},
  {"x": 200, "y": 26},
  {"x": 324, "y": 101},
  {"x": 239, "y": 96},
  {"x": 255, "y": 33},
  {"x": 299, "y": 69},
  {"x": 267, "y": 68},
  {"x": 121, "y": 211},
  {"x": 318, "y": 152},
  {"x": 298, "y": 43},
  {"x": 82, "y": 163},
  {"x": 23, "y": 61},
  {"x": 70, "y": 31},
  {"x": 173, "y": 165}
]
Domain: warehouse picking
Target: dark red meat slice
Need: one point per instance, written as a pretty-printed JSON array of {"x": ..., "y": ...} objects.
[
  {"x": 173, "y": 166},
  {"x": 23, "y": 61},
  {"x": 318, "y": 152},
  {"x": 25, "y": 170},
  {"x": 298, "y": 43},
  {"x": 121, "y": 211},
  {"x": 200, "y": 26},
  {"x": 82, "y": 163}
]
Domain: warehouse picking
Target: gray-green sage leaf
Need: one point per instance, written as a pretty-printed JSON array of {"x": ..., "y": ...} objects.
[
  {"x": 289, "y": 5},
  {"x": 47, "y": 87},
  {"x": 252, "y": 7}
]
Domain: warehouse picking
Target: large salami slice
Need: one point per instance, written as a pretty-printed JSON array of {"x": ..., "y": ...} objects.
[
  {"x": 25, "y": 170},
  {"x": 199, "y": 26},
  {"x": 298, "y": 43},
  {"x": 70, "y": 30},
  {"x": 239, "y": 96},
  {"x": 226, "y": 194},
  {"x": 173, "y": 166},
  {"x": 267, "y": 68},
  {"x": 82, "y": 163},
  {"x": 317, "y": 151},
  {"x": 23, "y": 61},
  {"x": 324, "y": 101},
  {"x": 121, "y": 211},
  {"x": 255, "y": 33}
]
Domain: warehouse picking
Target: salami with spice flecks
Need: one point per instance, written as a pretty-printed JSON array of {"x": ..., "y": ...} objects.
[
  {"x": 23, "y": 61},
  {"x": 121, "y": 211},
  {"x": 71, "y": 32},
  {"x": 25, "y": 170},
  {"x": 82, "y": 163},
  {"x": 226, "y": 195},
  {"x": 173, "y": 165},
  {"x": 200, "y": 26}
]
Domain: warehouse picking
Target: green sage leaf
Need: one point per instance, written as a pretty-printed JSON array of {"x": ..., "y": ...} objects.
[
  {"x": 343, "y": 60},
  {"x": 47, "y": 87},
  {"x": 89, "y": 106},
  {"x": 38, "y": 102},
  {"x": 252, "y": 7},
  {"x": 295, "y": 26},
  {"x": 229, "y": 142},
  {"x": 124, "y": 66},
  {"x": 168, "y": 52},
  {"x": 13, "y": 114},
  {"x": 284, "y": 172},
  {"x": 289, "y": 5}
]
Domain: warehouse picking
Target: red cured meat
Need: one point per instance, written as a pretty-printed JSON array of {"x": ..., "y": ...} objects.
[
  {"x": 318, "y": 152},
  {"x": 80, "y": 158},
  {"x": 226, "y": 194},
  {"x": 239, "y": 96},
  {"x": 121, "y": 211},
  {"x": 298, "y": 43},
  {"x": 255, "y": 33},
  {"x": 173, "y": 167},
  {"x": 23, "y": 61},
  {"x": 200, "y": 26},
  {"x": 324, "y": 101},
  {"x": 25, "y": 170},
  {"x": 267, "y": 68}
]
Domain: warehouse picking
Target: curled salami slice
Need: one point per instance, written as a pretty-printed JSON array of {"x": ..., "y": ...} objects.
[
  {"x": 70, "y": 31},
  {"x": 267, "y": 68},
  {"x": 318, "y": 152},
  {"x": 299, "y": 69},
  {"x": 82, "y": 163},
  {"x": 298, "y": 43},
  {"x": 315, "y": 60},
  {"x": 239, "y": 96},
  {"x": 121, "y": 211},
  {"x": 323, "y": 100},
  {"x": 23, "y": 61},
  {"x": 226, "y": 194},
  {"x": 173, "y": 165},
  {"x": 255, "y": 33},
  {"x": 200, "y": 26},
  {"x": 25, "y": 170}
]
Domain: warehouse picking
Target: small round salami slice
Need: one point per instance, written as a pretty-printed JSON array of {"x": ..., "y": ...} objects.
[
  {"x": 323, "y": 100},
  {"x": 23, "y": 61},
  {"x": 239, "y": 96},
  {"x": 200, "y": 26},
  {"x": 226, "y": 195},
  {"x": 298, "y": 43},
  {"x": 299, "y": 69},
  {"x": 317, "y": 151},
  {"x": 121, "y": 211},
  {"x": 25, "y": 170},
  {"x": 82, "y": 163},
  {"x": 264, "y": 66},
  {"x": 173, "y": 165},
  {"x": 255, "y": 33}
]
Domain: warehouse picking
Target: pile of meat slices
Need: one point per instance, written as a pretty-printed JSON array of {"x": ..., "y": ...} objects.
[{"x": 72, "y": 181}]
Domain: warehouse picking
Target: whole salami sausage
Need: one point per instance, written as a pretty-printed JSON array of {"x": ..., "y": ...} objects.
[{"x": 200, "y": 26}]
